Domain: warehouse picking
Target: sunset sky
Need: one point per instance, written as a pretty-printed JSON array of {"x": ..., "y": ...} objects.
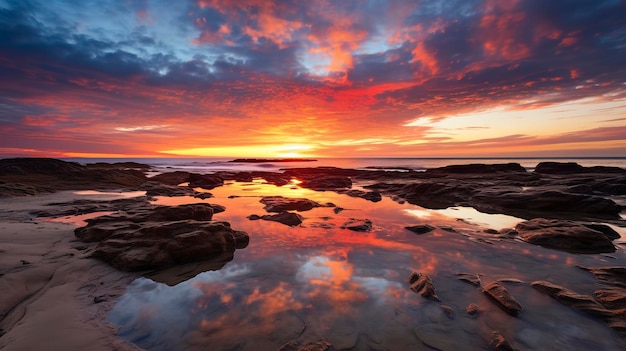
[{"x": 258, "y": 78}]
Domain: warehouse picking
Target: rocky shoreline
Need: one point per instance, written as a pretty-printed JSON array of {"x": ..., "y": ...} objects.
[{"x": 566, "y": 207}]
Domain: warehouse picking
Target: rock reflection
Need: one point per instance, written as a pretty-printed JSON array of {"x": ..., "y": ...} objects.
[{"x": 316, "y": 281}]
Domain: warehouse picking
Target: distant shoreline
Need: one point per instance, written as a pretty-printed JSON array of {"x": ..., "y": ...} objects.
[{"x": 264, "y": 160}]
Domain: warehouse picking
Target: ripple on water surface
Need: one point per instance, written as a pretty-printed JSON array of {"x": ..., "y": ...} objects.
[{"x": 318, "y": 280}]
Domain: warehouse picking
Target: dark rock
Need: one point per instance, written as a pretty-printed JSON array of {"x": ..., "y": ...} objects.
[
  {"x": 153, "y": 245},
  {"x": 613, "y": 298},
  {"x": 358, "y": 225},
  {"x": 327, "y": 183},
  {"x": 499, "y": 343},
  {"x": 373, "y": 196},
  {"x": 338, "y": 209},
  {"x": 491, "y": 231},
  {"x": 254, "y": 217},
  {"x": 100, "y": 228},
  {"x": 316, "y": 172},
  {"x": 544, "y": 201},
  {"x": 282, "y": 204},
  {"x": 559, "y": 168},
  {"x": 573, "y": 168},
  {"x": 421, "y": 228},
  {"x": 277, "y": 179},
  {"x": 202, "y": 195},
  {"x": 289, "y": 218},
  {"x": 153, "y": 188},
  {"x": 615, "y": 276},
  {"x": 473, "y": 279},
  {"x": 437, "y": 195},
  {"x": 498, "y": 293},
  {"x": 447, "y": 228},
  {"x": 423, "y": 285},
  {"x": 172, "y": 178},
  {"x": 24, "y": 262},
  {"x": 581, "y": 189},
  {"x": 509, "y": 232},
  {"x": 447, "y": 310},
  {"x": 29, "y": 166},
  {"x": 573, "y": 299},
  {"x": 513, "y": 193},
  {"x": 204, "y": 181},
  {"x": 49, "y": 175},
  {"x": 472, "y": 309},
  {"x": 294, "y": 345},
  {"x": 14, "y": 189},
  {"x": 198, "y": 212},
  {"x": 604, "y": 229},
  {"x": 98, "y": 299},
  {"x": 564, "y": 235},
  {"x": 478, "y": 168}
]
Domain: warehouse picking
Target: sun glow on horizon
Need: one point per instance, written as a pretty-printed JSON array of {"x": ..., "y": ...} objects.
[{"x": 285, "y": 150}]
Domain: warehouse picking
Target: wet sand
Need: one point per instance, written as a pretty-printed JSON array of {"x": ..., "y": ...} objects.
[{"x": 49, "y": 289}]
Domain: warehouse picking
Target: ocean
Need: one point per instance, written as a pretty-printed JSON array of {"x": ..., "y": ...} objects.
[{"x": 211, "y": 165}]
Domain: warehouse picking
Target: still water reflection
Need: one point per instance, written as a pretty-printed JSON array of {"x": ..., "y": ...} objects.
[{"x": 318, "y": 281}]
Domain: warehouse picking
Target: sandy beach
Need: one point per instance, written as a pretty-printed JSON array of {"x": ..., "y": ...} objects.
[{"x": 49, "y": 289}]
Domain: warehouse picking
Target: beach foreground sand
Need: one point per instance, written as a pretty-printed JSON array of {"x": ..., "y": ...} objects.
[{"x": 53, "y": 298}]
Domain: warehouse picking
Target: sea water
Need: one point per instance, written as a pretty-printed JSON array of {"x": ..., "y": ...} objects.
[{"x": 321, "y": 281}]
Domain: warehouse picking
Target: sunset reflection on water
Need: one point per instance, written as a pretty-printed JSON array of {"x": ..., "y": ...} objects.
[{"x": 318, "y": 280}]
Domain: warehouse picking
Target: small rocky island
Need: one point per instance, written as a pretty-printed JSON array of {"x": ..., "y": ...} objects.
[{"x": 269, "y": 160}]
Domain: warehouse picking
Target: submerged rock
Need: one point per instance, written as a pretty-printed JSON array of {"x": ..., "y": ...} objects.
[
  {"x": 320, "y": 345},
  {"x": 498, "y": 293},
  {"x": 615, "y": 276},
  {"x": 372, "y": 196},
  {"x": 281, "y": 204},
  {"x": 587, "y": 304},
  {"x": 421, "y": 228},
  {"x": 472, "y": 309},
  {"x": 423, "y": 285},
  {"x": 499, "y": 343},
  {"x": 358, "y": 225},
  {"x": 612, "y": 298},
  {"x": 288, "y": 218},
  {"x": 564, "y": 235},
  {"x": 473, "y": 279}
]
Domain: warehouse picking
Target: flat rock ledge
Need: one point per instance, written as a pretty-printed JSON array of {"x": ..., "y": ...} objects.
[
  {"x": 568, "y": 236},
  {"x": 282, "y": 204},
  {"x": 609, "y": 307},
  {"x": 287, "y": 218},
  {"x": 498, "y": 293},
  {"x": 156, "y": 237}
]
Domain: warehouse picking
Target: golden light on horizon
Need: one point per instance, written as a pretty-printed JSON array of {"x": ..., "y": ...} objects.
[{"x": 281, "y": 150}]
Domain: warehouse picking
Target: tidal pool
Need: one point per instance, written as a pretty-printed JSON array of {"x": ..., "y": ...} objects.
[{"x": 319, "y": 281}]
